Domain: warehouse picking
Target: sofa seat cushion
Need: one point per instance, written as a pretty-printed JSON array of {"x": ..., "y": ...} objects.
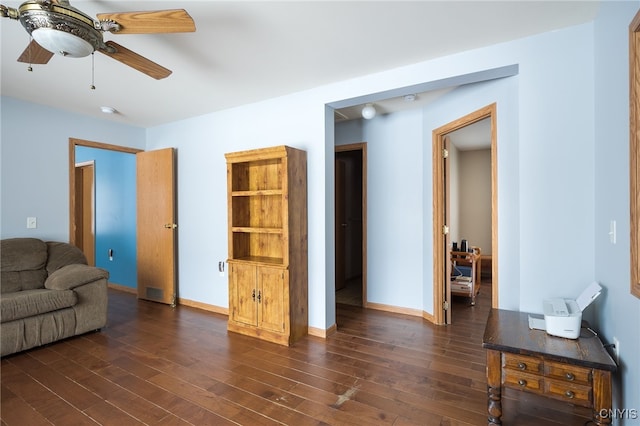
[{"x": 27, "y": 303}]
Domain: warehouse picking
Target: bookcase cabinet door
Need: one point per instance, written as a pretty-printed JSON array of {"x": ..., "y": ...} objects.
[
  {"x": 242, "y": 292},
  {"x": 271, "y": 302}
]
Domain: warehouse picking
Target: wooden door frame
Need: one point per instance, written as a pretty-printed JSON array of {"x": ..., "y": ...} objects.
[
  {"x": 439, "y": 255},
  {"x": 73, "y": 143},
  {"x": 634, "y": 152},
  {"x": 362, "y": 147},
  {"x": 445, "y": 163}
]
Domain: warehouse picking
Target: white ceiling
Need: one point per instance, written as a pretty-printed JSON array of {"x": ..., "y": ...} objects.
[{"x": 247, "y": 51}]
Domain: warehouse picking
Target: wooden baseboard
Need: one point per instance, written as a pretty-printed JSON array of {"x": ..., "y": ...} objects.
[
  {"x": 124, "y": 288},
  {"x": 429, "y": 317},
  {"x": 319, "y": 332},
  {"x": 394, "y": 309},
  {"x": 204, "y": 306}
]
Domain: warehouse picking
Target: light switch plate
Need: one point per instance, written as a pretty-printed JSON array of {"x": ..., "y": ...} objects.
[
  {"x": 32, "y": 223},
  {"x": 612, "y": 231}
]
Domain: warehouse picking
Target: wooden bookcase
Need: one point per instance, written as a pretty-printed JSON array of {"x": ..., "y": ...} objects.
[{"x": 267, "y": 227}]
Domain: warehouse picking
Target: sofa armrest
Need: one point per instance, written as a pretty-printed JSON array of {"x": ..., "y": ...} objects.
[{"x": 72, "y": 276}]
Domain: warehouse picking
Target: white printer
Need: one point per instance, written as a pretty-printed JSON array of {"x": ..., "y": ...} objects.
[{"x": 563, "y": 317}]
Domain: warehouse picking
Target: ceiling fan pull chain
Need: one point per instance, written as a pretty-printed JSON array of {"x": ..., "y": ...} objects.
[
  {"x": 93, "y": 70},
  {"x": 30, "y": 68}
]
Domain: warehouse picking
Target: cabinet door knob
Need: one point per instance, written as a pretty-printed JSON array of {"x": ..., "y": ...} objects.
[
  {"x": 522, "y": 382},
  {"x": 522, "y": 366},
  {"x": 259, "y": 296},
  {"x": 570, "y": 376},
  {"x": 569, "y": 394},
  {"x": 253, "y": 295}
]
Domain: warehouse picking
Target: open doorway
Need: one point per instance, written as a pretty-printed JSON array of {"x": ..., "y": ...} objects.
[
  {"x": 135, "y": 206},
  {"x": 350, "y": 223},
  {"x": 447, "y": 215},
  {"x": 102, "y": 211}
]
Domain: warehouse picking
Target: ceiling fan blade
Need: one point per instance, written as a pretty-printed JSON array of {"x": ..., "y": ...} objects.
[
  {"x": 158, "y": 21},
  {"x": 35, "y": 54},
  {"x": 135, "y": 61}
]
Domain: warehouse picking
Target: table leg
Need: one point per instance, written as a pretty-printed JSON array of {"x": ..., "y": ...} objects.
[
  {"x": 601, "y": 397},
  {"x": 494, "y": 386}
]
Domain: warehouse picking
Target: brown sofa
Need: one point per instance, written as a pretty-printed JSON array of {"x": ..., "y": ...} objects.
[{"x": 47, "y": 293}]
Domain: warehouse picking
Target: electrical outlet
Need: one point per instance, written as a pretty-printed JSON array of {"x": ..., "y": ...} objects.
[
  {"x": 616, "y": 349},
  {"x": 32, "y": 223}
]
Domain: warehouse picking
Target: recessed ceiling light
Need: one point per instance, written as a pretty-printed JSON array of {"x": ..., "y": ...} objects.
[{"x": 108, "y": 110}]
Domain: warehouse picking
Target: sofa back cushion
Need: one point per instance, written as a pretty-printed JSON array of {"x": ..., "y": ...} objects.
[
  {"x": 63, "y": 254},
  {"x": 22, "y": 264}
]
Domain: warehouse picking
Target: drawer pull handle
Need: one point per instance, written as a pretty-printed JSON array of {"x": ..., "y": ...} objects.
[
  {"x": 522, "y": 366},
  {"x": 570, "y": 376},
  {"x": 569, "y": 394},
  {"x": 522, "y": 382}
]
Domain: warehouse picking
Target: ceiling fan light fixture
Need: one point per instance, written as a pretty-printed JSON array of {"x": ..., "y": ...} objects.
[
  {"x": 60, "y": 28},
  {"x": 63, "y": 43},
  {"x": 368, "y": 112}
]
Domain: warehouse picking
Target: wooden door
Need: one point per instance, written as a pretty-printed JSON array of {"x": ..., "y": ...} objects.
[
  {"x": 85, "y": 237},
  {"x": 271, "y": 303},
  {"x": 447, "y": 223},
  {"x": 156, "y": 225},
  {"x": 341, "y": 224},
  {"x": 243, "y": 293}
]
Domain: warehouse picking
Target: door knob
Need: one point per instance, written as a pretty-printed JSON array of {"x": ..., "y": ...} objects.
[{"x": 170, "y": 225}]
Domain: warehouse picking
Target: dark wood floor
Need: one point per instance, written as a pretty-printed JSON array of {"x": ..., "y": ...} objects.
[{"x": 157, "y": 365}]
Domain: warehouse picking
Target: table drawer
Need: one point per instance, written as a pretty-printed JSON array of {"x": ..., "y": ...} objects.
[
  {"x": 567, "y": 373},
  {"x": 524, "y": 363},
  {"x": 524, "y": 381},
  {"x": 569, "y": 392}
]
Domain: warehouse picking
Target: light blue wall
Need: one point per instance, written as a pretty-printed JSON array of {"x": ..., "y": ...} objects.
[
  {"x": 618, "y": 314},
  {"x": 394, "y": 209},
  {"x": 115, "y": 204},
  {"x": 35, "y": 164}
]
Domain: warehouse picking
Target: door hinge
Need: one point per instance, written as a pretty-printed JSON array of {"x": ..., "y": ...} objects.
[
  {"x": 445, "y": 305},
  {"x": 445, "y": 230},
  {"x": 445, "y": 153}
]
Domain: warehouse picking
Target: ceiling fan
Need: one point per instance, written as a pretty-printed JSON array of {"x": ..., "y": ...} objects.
[{"x": 56, "y": 27}]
